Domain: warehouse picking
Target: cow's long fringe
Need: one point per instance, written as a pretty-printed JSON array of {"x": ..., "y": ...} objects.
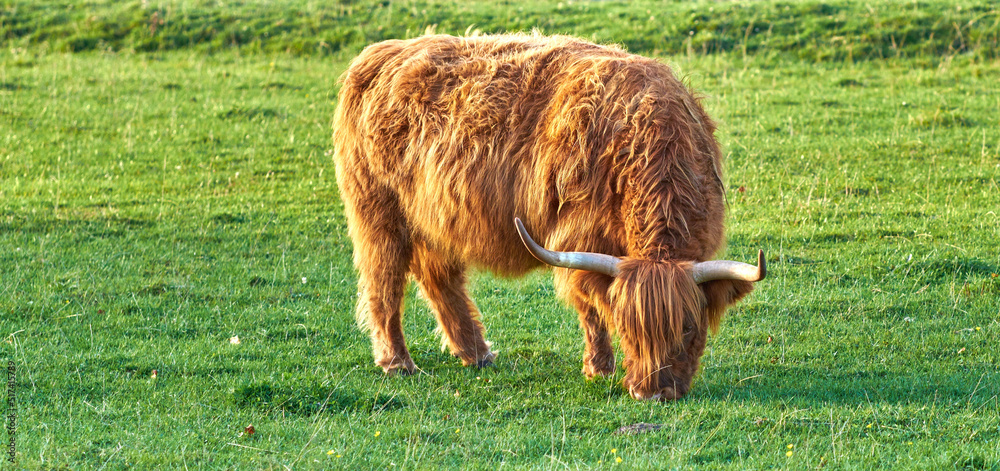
[{"x": 653, "y": 300}]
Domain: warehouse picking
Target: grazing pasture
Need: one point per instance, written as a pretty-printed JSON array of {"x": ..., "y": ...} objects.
[{"x": 174, "y": 262}]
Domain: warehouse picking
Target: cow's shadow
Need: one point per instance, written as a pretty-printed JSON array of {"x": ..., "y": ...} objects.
[{"x": 810, "y": 387}]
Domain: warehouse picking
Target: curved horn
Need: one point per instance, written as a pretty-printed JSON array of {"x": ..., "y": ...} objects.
[
  {"x": 589, "y": 261},
  {"x": 729, "y": 270}
]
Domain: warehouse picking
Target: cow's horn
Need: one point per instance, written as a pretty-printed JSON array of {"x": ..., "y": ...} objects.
[
  {"x": 596, "y": 262},
  {"x": 729, "y": 270}
]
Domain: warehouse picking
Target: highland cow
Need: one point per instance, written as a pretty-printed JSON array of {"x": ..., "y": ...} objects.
[{"x": 609, "y": 161}]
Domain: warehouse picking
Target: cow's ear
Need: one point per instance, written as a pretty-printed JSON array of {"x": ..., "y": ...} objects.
[{"x": 719, "y": 295}]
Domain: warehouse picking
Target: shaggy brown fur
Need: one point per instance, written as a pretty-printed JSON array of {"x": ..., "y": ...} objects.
[{"x": 442, "y": 141}]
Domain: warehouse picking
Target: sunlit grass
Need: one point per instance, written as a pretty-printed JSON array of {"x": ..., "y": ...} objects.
[
  {"x": 152, "y": 207},
  {"x": 807, "y": 29}
]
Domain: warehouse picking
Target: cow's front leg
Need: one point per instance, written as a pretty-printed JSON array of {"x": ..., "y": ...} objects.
[
  {"x": 598, "y": 354},
  {"x": 584, "y": 290}
]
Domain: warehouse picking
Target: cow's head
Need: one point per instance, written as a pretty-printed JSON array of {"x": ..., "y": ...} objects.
[{"x": 662, "y": 310}]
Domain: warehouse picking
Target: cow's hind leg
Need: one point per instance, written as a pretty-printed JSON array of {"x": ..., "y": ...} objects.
[
  {"x": 443, "y": 285},
  {"x": 382, "y": 253}
]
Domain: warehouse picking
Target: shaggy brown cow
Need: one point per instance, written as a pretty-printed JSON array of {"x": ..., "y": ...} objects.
[{"x": 442, "y": 141}]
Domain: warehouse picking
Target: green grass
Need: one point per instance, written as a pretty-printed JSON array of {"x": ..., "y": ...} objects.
[
  {"x": 834, "y": 30},
  {"x": 154, "y": 205}
]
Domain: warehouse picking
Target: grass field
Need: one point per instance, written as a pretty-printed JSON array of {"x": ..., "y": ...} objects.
[{"x": 153, "y": 205}]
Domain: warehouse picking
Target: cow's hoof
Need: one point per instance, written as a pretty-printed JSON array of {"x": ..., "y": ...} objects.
[
  {"x": 486, "y": 360},
  {"x": 664, "y": 394},
  {"x": 478, "y": 361},
  {"x": 599, "y": 369},
  {"x": 593, "y": 373},
  {"x": 402, "y": 368}
]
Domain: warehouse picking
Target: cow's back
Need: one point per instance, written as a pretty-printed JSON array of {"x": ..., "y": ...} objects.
[{"x": 470, "y": 132}]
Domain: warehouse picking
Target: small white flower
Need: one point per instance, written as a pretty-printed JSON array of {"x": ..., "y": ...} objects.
[
  {"x": 235, "y": 340},
  {"x": 304, "y": 280}
]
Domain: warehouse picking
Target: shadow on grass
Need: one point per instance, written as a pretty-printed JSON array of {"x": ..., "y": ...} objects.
[
  {"x": 96, "y": 227},
  {"x": 810, "y": 387},
  {"x": 311, "y": 400}
]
